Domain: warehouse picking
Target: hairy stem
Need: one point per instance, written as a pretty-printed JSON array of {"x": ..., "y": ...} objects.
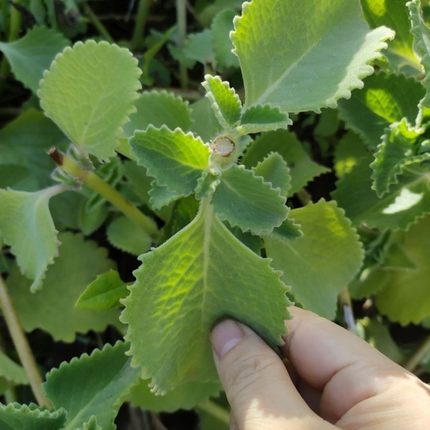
[
  {"x": 181, "y": 19},
  {"x": 420, "y": 354},
  {"x": 98, "y": 25},
  {"x": 91, "y": 180},
  {"x": 22, "y": 347},
  {"x": 139, "y": 25},
  {"x": 216, "y": 411}
]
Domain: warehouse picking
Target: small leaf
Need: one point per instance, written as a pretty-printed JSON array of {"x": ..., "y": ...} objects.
[
  {"x": 30, "y": 417},
  {"x": 78, "y": 264},
  {"x": 260, "y": 118},
  {"x": 198, "y": 47},
  {"x": 321, "y": 262},
  {"x": 128, "y": 236},
  {"x": 222, "y": 25},
  {"x": 349, "y": 150},
  {"x": 104, "y": 293},
  {"x": 305, "y": 55},
  {"x": 224, "y": 100},
  {"x": 203, "y": 120},
  {"x": 174, "y": 158},
  {"x": 89, "y": 91},
  {"x": 246, "y": 201},
  {"x": 198, "y": 276},
  {"x": 161, "y": 196},
  {"x": 26, "y": 226},
  {"x": 274, "y": 170},
  {"x": 96, "y": 386},
  {"x": 32, "y": 54},
  {"x": 12, "y": 372}
]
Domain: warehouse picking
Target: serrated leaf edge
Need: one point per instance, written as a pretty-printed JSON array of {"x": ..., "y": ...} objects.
[{"x": 33, "y": 409}]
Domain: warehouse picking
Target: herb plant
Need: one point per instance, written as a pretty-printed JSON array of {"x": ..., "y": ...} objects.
[{"x": 299, "y": 173}]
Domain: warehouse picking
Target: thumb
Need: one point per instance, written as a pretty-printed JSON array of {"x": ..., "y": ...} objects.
[{"x": 258, "y": 387}]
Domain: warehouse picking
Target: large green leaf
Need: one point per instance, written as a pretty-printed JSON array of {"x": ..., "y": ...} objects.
[
  {"x": 174, "y": 158},
  {"x": 33, "y": 53},
  {"x": 29, "y": 417},
  {"x": 247, "y": 201},
  {"x": 386, "y": 98},
  {"x": 89, "y": 91},
  {"x": 304, "y": 55},
  {"x": 92, "y": 385},
  {"x": 320, "y": 263},
  {"x": 26, "y": 226},
  {"x": 78, "y": 264},
  {"x": 201, "y": 274}
]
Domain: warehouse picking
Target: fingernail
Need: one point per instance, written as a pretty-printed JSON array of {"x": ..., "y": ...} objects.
[{"x": 225, "y": 336}]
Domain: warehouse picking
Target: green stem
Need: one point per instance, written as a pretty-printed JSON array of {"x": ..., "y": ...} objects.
[
  {"x": 304, "y": 197},
  {"x": 348, "y": 313},
  {"x": 181, "y": 19},
  {"x": 91, "y": 180},
  {"x": 216, "y": 411},
  {"x": 97, "y": 23},
  {"x": 22, "y": 346},
  {"x": 139, "y": 25},
  {"x": 420, "y": 355}
]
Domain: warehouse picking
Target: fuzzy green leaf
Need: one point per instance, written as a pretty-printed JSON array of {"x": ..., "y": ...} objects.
[
  {"x": 247, "y": 201},
  {"x": 174, "y": 158},
  {"x": 95, "y": 385},
  {"x": 302, "y": 168},
  {"x": 348, "y": 152},
  {"x": 198, "y": 276},
  {"x": 203, "y": 120},
  {"x": 386, "y": 98},
  {"x": 26, "y": 226},
  {"x": 11, "y": 372},
  {"x": 260, "y": 118},
  {"x": 78, "y": 264},
  {"x": 224, "y": 101},
  {"x": 32, "y": 54},
  {"x": 321, "y": 262},
  {"x": 104, "y": 293},
  {"x": 89, "y": 91},
  {"x": 304, "y": 55},
  {"x": 222, "y": 25},
  {"x": 198, "y": 47},
  {"x": 30, "y": 417},
  {"x": 128, "y": 236},
  {"x": 399, "y": 148},
  {"x": 274, "y": 170}
]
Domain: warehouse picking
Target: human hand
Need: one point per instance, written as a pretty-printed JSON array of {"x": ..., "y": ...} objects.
[{"x": 339, "y": 380}]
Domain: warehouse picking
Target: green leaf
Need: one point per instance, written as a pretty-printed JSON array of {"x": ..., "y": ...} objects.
[
  {"x": 91, "y": 425},
  {"x": 386, "y": 98},
  {"x": 198, "y": 47},
  {"x": 26, "y": 226},
  {"x": 203, "y": 120},
  {"x": 89, "y": 91},
  {"x": 11, "y": 372},
  {"x": 95, "y": 385},
  {"x": 104, "y": 293},
  {"x": 307, "y": 55},
  {"x": 158, "y": 108},
  {"x": 222, "y": 25},
  {"x": 30, "y": 417},
  {"x": 247, "y": 201},
  {"x": 274, "y": 170},
  {"x": 198, "y": 276},
  {"x": 183, "y": 397},
  {"x": 174, "y": 158},
  {"x": 224, "y": 101},
  {"x": 302, "y": 168},
  {"x": 349, "y": 150},
  {"x": 260, "y": 118},
  {"x": 321, "y": 262},
  {"x": 128, "y": 236},
  {"x": 32, "y": 54},
  {"x": 79, "y": 263},
  {"x": 399, "y": 148},
  {"x": 161, "y": 196}
]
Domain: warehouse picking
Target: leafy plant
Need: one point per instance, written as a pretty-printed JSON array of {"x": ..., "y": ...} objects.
[{"x": 228, "y": 202}]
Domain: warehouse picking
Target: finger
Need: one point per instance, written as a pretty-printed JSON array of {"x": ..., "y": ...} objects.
[{"x": 257, "y": 385}]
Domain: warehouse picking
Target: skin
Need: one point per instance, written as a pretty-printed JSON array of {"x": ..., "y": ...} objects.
[{"x": 334, "y": 380}]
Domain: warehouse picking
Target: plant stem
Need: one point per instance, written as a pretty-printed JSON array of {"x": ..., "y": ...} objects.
[
  {"x": 22, "y": 347},
  {"x": 91, "y": 180},
  {"x": 216, "y": 411},
  {"x": 181, "y": 19},
  {"x": 97, "y": 23},
  {"x": 304, "y": 197},
  {"x": 348, "y": 313},
  {"x": 139, "y": 25},
  {"x": 420, "y": 354}
]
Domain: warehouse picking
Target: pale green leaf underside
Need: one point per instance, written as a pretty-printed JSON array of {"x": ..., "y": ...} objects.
[
  {"x": 246, "y": 201},
  {"x": 304, "y": 55},
  {"x": 199, "y": 275},
  {"x": 32, "y": 54},
  {"x": 274, "y": 169},
  {"x": 30, "y": 417},
  {"x": 320, "y": 263},
  {"x": 89, "y": 91},
  {"x": 78, "y": 264},
  {"x": 92, "y": 385},
  {"x": 26, "y": 226},
  {"x": 174, "y": 158},
  {"x": 260, "y": 118}
]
